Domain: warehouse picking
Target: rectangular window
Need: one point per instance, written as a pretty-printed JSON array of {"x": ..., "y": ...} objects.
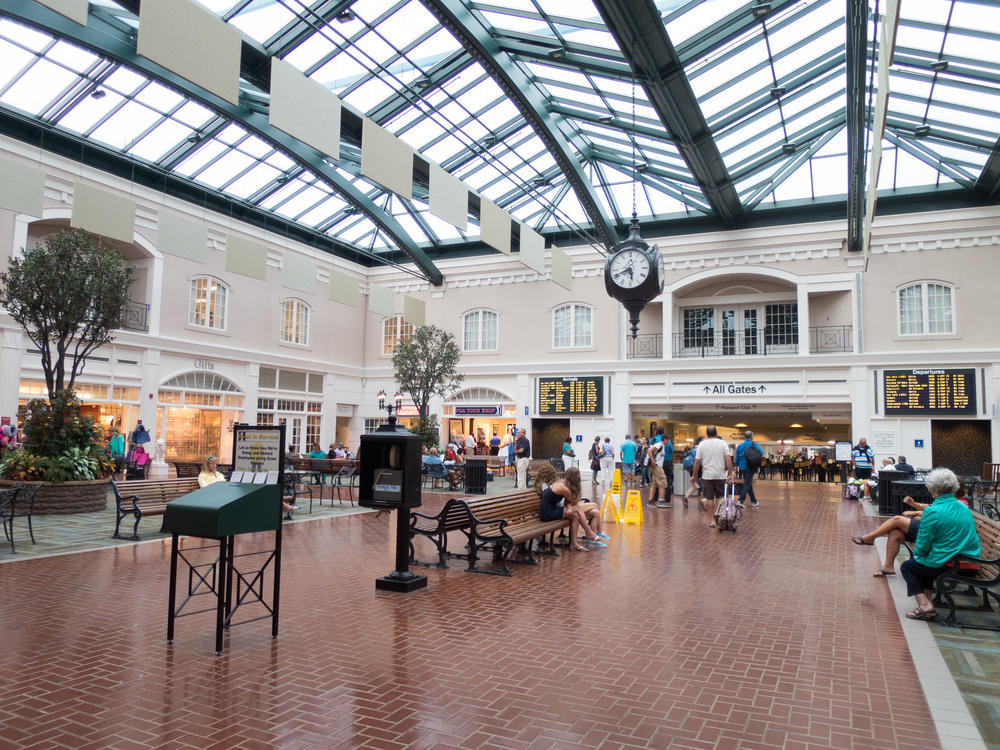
[
  {"x": 911, "y": 319},
  {"x": 294, "y": 322},
  {"x": 562, "y": 331},
  {"x": 395, "y": 331},
  {"x": 312, "y": 431},
  {"x": 572, "y": 325},
  {"x": 699, "y": 327},
  {"x": 781, "y": 324},
  {"x": 208, "y": 304},
  {"x": 939, "y": 309}
]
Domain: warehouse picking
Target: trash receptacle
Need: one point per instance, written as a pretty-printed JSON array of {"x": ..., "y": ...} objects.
[
  {"x": 915, "y": 488},
  {"x": 885, "y": 479},
  {"x": 682, "y": 479},
  {"x": 475, "y": 476}
]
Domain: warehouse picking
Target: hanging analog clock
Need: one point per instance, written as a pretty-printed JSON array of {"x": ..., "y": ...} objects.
[{"x": 632, "y": 274}]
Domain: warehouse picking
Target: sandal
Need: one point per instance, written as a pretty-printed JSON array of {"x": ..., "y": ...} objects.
[
  {"x": 884, "y": 573},
  {"x": 579, "y": 548},
  {"x": 919, "y": 614},
  {"x": 861, "y": 541},
  {"x": 711, "y": 525}
]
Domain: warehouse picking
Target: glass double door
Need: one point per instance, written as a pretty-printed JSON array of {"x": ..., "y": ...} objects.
[{"x": 739, "y": 332}]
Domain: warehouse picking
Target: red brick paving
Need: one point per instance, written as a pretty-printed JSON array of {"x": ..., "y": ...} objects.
[{"x": 674, "y": 637}]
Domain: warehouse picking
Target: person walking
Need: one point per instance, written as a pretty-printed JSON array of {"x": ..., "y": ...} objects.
[
  {"x": 628, "y": 451},
  {"x": 863, "y": 460},
  {"x": 748, "y": 458},
  {"x": 657, "y": 479},
  {"x": 607, "y": 461},
  {"x": 667, "y": 462},
  {"x": 568, "y": 454},
  {"x": 522, "y": 457},
  {"x": 716, "y": 467}
]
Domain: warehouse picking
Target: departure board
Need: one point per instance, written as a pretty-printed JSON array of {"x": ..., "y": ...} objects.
[
  {"x": 571, "y": 395},
  {"x": 930, "y": 391}
]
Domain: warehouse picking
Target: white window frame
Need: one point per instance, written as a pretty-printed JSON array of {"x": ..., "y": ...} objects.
[
  {"x": 481, "y": 314},
  {"x": 574, "y": 341},
  {"x": 401, "y": 334},
  {"x": 925, "y": 319},
  {"x": 300, "y": 311},
  {"x": 210, "y": 301}
]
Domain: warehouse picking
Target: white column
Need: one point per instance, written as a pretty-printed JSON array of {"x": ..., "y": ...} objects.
[
  {"x": 154, "y": 295},
  {"x": 10, "y": 370},
  {"x": 803, "y": 304},
  {"x": 252, "y": 391},
  {"x": 328, "y": 424},
  {"x": 667, "y": 313},
  {"x": 147, "y": 413},
  {"x": 862, "y": 402},
  {"x": 525, "y": 400}
]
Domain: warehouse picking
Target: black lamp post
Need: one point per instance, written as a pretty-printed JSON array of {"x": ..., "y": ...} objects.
[{"x": 398, "y": 398}]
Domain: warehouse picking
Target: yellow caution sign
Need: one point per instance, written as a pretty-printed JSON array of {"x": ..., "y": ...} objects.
[
  {"x": 611, "y": 500},
  {"x": 616, "y": 482},
  {"x": 633, "y": 508}
]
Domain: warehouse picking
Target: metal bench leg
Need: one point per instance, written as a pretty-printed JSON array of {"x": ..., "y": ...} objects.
[{"x": 135, "y": 529}]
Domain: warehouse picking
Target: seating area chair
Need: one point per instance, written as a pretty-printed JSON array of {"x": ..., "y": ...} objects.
[
  {"x": 344, "y": 479},
  {"x": 434, "y": 472},
  {"x": 7, "y": 515},
  {"x": 24, "y": 503},
  {"x": 292, "y": 491}
]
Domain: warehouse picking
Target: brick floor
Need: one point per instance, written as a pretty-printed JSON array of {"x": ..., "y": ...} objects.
[{"x": 673, "y": 637}]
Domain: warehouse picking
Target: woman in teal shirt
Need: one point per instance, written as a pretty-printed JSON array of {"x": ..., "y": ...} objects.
[{"x": 946, "y": 529}]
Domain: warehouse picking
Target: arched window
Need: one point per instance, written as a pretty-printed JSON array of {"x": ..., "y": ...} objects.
[
  {"x": 295, "y": 322},
  {"x": 209, "y": 303},
  {"x": 926, "y": 307},
  {"x": 572, "y": 326},
  {"x": 479, "y": 331},
  {"x": 395, "y": 331}
]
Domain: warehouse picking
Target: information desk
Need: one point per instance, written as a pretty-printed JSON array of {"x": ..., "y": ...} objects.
[
  {"x": 219, "y": 512},
  {"x": 930, "y": 391}
]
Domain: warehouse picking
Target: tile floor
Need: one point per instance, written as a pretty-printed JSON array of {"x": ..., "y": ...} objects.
[{"x": 675, "y": 636}]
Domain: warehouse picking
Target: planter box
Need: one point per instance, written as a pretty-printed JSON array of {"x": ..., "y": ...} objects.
[{"x": 69, "y": 497}]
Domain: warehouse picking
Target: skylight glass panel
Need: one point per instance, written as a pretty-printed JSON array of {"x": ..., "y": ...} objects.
[
  {"x": 309, "y": 52},
  {"x": 790, "y": 64},
  {"x": 232, "y": 134},
  {"x": 920, "y": 38},
  {"x": 301, "y": 202},
  {"x": 972, "y": 16},
  {"x": 194, "y": 114},
  {"x": 369, "y": 95},
  {"x": 124, "y": 81},
  {"x": 126, "y": 125},
  {"x": 423, "y": 132},
  {"x": 574, "y": 95},
  {"x": 158, "y": 97},
  {"x": 161, "y": 140},
  {"x": 515, "y": 23},
  {"x": 225, "y": 168},
  {"x": 282, "y": 194},
  {"x": 256, "y": 147},
  {"x": 373, "y": 47},
  {"x": 261, "y": 21},
  {"x": 89, "y": 111},
  {"x": 340, "y": 72},
  {"x": 796, "y": 186},
  {"x": 26, "y": 36},
  {"x": 322, "y": 212},
  {"x": 15, "y": 58},
  {"x": 685, "y": 25},
  {"x": 911, "y": 172},
  {"x": 500, "y": 114},
  {"x": 71, "y": 56},
  {"x": 249, "y": 183},
  {"x": 593, "y": 37},
  {"x": 830, "y": 176},
  {"x": 931, "y": 11},
  {"x": 206, "y": 152},
  {"x": 412, "y": 228},
  {"x": 408, "y": 23},
  {"x": 37, "y": 86}
]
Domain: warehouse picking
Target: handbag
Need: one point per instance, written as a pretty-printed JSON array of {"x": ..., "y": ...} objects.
[{"x": 595, "y": 465}]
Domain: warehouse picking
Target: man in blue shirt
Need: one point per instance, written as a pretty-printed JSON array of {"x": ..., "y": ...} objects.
[
  {"x": 628, "y": 450},
  {"x": 748, "y": 467},
  {"x": 863, "y": 459},
  {"x": 667, "y": 463}
]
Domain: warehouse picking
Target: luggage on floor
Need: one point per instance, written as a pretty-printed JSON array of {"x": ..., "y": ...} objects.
[{"x": 728, "y": 515}]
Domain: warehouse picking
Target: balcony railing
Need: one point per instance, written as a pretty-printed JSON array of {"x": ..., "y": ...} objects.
[
  {"x": 822, "y": 340},
  {"x": 136, "y": 317}
]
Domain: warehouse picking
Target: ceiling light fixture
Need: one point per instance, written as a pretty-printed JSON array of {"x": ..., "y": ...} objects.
[
  {"x": 98, "y": 94},
  {"x": 788, "y": 148},
  {"x": 558, "y": 53},
  {"x": 777, "y": 92},
  {"x": 606, "y": 120},
  {"x": 760, "y": 9},
  {"x": 345, "y": 16},
  {"x": 922, "y": 130},
  {"x": 795, "y": 424},
  {"x": 740, "y": 424},
  {"x": 939, "y": 65}
]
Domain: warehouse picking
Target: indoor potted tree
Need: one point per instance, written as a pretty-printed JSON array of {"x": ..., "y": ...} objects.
[{"x": 69, "y": 293}]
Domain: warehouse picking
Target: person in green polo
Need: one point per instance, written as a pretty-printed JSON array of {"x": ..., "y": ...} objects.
[{"x": 947, "y": 528}]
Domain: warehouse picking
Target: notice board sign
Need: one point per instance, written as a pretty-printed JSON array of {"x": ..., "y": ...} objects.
[
  {"x": 258, "y": 448},
  {"x": 930, "y": 391},
  {"x": 570, "y": 395}
]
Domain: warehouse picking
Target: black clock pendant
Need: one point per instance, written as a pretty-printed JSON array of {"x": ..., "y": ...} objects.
[{"x": 632, "y": 274}]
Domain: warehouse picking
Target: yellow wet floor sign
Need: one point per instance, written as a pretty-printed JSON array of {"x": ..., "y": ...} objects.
[
  {"x": 633, "y": 508},
  {"x": 611, "y": 501},
  {"x": 616, "y": 482}
]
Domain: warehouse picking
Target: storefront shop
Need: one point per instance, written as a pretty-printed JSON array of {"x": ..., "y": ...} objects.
[
  {"x": 481, "y": 412},
  {"x": 113, "y": 406},
  {"x": 294, "y": 399},
  {"x": 195, "y": 416}
]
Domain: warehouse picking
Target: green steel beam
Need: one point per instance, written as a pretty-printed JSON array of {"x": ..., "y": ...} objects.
[
  {"x": 455, "y": 16},
  {"x": 731, "y": 27},
  {"x": 642, "y": 37},
  {"x": 989, "y": 181},
  {"x": 857, "y": 50},
  {"x": 111, "y": 43}
]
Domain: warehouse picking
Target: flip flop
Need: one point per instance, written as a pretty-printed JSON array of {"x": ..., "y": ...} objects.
[
  {"x": 580, "y": 548},
  {"x": 884, "y": 573},
  {"x": 919, "y": 614},
  {"x": 862, "y": 542}
]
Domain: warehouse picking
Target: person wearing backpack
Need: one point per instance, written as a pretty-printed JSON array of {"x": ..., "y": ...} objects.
[
  {"x": 688, "y": 463},
  {"x": 748, "y": 458}
]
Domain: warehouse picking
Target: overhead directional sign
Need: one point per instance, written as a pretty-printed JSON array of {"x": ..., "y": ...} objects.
[
  {"x": 732, "y": 388},
  {"x": 706, "y": 387}
]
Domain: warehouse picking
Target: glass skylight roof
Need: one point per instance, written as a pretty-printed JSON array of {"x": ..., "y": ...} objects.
[{"x": 771, "y": 89}]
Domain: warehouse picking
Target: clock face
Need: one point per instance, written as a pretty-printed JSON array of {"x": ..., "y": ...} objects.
[{"x": 629, "y": 268}]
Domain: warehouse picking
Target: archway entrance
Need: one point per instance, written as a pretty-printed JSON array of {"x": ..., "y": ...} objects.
[{"x": 196, "y": 414}]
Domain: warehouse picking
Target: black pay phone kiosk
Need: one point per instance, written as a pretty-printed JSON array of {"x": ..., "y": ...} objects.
[{"x": 390, "y": 480}]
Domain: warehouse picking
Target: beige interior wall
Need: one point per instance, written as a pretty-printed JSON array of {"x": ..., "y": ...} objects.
[{"x": 830, "y": 309}]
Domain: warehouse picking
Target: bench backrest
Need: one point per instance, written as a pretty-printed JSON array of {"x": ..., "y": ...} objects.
[
  {"x": 989, "y": 543},
  {"x": 156, "y": 490},
  {"x": 187, "y": 468},
  {"x": 510, "y": 506}
]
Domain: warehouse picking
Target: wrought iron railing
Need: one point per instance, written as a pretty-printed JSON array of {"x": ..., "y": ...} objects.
[
  {"x": 136, "y": 317},
  {"x": 645, "y": 346},
  {"x": 825, "y": 339}
]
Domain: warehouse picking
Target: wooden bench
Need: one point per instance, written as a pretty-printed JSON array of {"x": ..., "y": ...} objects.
[
  {"x": 979, "y": 574},
  {"x": 499, "y": 522},
  {"x": 147, "y": 497}
]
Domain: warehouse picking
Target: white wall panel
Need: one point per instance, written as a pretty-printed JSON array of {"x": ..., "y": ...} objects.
[
  {"x": 386, "y": 159},
  {"x": 449, "y": 198},
  {"x": 298, "y": 273},
  {"x": 21, "y": 187},
  {"x": 194, "y": 43},
  {"x": 532, "y": 249},
  {"x": 414, "y": 310},
  {"x": 246, "y": 257},
  {"x": 494, "y": 226},
  {"x": 103, "y": 212},
  {"x": 181, "y": 236},
  {"x": 75, "y": 10},
  {"x": 562, "y": 269},
  {"x": 381, "y": 300},
  {"x": 304, "y": 109},
  {"x": 344, "y": 289}
]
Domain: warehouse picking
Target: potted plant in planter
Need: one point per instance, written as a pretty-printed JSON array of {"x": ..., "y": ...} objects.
[{"x": 69, "y": 294}]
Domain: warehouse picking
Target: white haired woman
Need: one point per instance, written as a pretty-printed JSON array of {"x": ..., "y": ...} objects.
[{"x": 946, "y": 529}]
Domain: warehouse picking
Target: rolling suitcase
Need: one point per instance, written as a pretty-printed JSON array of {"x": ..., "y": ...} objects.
[{"x": 728, "y": 514}]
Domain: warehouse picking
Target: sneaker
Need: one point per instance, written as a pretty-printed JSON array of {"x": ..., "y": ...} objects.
[
  {"x": 293, "y": 508},
  {"x": 602, "y": 536},
  {"x": 754, "y": 504},
  {"x": 740, "y": 505},
  {"x": 596, "y": 543},
  {"x": 288, "y": 516},
  {"x": 663, "y": 504}
]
